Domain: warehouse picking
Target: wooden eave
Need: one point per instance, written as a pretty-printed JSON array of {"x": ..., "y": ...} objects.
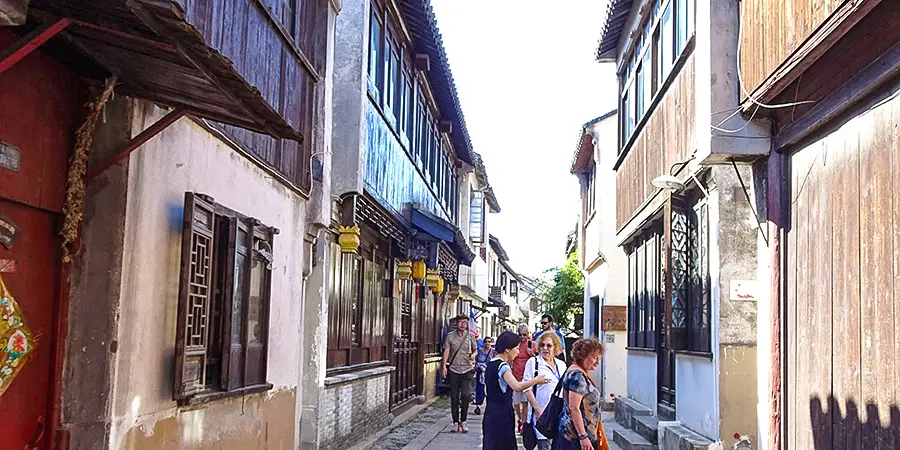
[
  {"x": 584, "y": 153},
  {"x": 157, "y": 55},
  {"x": 836, "y": 26}
]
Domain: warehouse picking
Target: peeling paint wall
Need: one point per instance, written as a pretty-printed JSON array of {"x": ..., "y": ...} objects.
[{"x": 186, "y": 157}]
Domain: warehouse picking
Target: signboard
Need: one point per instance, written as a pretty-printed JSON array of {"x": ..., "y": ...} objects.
[
  {"x": 9, "y": 157},
  {"x": 744, "y": 290},
  {"x": 613, "y": 318}
]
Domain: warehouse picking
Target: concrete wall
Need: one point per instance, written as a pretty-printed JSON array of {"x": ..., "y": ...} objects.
[
  {"x": 429, "y": 380},
  {"x": 642, "y": 377},
  {"x": 186, "y": 157},
  {"x": 354, "y": 407},
  {"x": 696, "y": 395}
]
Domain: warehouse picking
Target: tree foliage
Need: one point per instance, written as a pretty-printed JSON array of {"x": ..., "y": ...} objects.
[{"x": 563, "y": 291}]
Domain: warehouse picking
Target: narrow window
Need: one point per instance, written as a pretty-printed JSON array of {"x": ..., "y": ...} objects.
[{"x": 375, "y": 67}]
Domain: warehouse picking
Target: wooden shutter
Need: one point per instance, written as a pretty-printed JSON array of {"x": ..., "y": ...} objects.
[
  {"x": 235, "y": 299},
  {"x": 257, "y": 307},
  {"x": 195, "y": 295}
]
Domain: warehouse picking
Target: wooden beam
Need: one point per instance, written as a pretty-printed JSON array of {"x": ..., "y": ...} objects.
[
  {"x": 30, "y": 42},
  {"x": 867, "y": 81},
  {"x": 816, "y": 44},
  {"x": 136, "y": 142}
]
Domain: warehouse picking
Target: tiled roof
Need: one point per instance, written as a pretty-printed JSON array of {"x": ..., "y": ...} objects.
[
  {"x": 481, "y": 174},
  {"x": 427, "y": 37},
  {"x": 495, "y": 244},
  {"x": 616, "y": 16},
  {"x": 584, "y": 151}
]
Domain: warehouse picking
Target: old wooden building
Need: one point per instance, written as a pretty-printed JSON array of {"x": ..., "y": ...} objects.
[
  {"x": 826, "y": 78},
  {"x": 401, "y": 151},
  {"x": 155, "y": 190}
]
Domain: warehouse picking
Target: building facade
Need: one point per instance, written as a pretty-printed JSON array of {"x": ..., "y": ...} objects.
[
  {"x": 601, "y": 259},
  {"x": 391, "y": 255},
  {"x": 155, "y": 189},
  {"x": 687, "y": 217},
  {"x": 504, "y": 288}
]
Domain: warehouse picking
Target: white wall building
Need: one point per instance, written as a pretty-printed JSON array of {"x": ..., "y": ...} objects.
[{"x": 601, "y": 260}]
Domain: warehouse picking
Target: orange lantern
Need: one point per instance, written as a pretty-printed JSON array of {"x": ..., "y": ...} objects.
[
  {"x": 404, "y": 270},
  {"x": 418, "y": 270},
  {"x": 431, "y": 279},
  {"x": 440, "y": 286}
]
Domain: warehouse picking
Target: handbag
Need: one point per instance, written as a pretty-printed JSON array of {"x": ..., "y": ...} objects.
[
  {"x": 529, "y": 435},
  {"x": 548, "y": 423}
]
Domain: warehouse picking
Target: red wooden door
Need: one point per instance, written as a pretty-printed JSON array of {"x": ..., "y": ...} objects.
[{"x": 29, "y": 270}]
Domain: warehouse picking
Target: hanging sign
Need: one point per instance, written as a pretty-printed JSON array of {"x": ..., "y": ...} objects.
[
  {"x": 16, "y": 340},
  {"x": 8, "y": 232}
]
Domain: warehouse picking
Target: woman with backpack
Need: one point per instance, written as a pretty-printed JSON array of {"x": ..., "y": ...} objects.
[
  {"x": 499, "y": 425},
  {"x": 552, "y": 368}
]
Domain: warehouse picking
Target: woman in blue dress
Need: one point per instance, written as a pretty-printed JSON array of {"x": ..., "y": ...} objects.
[
  {"x": 499, "y": 425},
  {"x": 482, "y": 358}
]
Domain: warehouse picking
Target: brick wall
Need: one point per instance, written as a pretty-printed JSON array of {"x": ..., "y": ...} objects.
[{"x": 353, "y": 407}]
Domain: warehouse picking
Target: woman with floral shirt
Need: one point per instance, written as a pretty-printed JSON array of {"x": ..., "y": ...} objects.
[{"x": 580, "y": 425}]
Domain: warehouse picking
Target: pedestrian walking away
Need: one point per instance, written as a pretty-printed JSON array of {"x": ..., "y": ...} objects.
[
  {"x": 458, "y": 367},
  {"x": 552, "y": 368},
  {"x": 482, "y": 358},
  {"x": 526, "y": 351},
  {"x": 547, "y": 325},
  {"x": 581, "y": 426},
  {"x": 499, "y": 424}
]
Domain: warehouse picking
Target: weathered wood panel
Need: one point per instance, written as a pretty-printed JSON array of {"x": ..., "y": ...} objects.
[
  {"x": 880, "y": 30},
  {"x": 843, "y": 292},
  {"x": 391, "y": 176},
  {"x": 772, "y": 29},
  {"x": 666, "y": 138}
]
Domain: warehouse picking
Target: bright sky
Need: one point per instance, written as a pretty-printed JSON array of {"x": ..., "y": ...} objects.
[{"x": 527, "y": 80}]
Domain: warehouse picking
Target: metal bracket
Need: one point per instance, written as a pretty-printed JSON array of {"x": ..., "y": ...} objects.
[
  {"x": 30, "y": 42},
  {"x": 136, "y": 142}
]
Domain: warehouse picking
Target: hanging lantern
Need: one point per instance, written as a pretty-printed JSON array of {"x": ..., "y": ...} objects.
[
  {"x": 440, "y": 286},
  {"x": 349, "y": 239},
  {"x": 404, "y": 270},
  {"x": 431, "y": 280},
  {"x": 418, "y": 270}
]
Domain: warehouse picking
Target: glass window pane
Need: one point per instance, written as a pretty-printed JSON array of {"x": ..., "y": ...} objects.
[
  {"x": 255, "y": 304},
  {"x": 665, "y": 43}
]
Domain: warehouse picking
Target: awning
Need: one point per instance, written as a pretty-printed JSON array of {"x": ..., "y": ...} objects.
[
  {"x": 161, "y": 52},
  {"x": 445, "y": 231}
]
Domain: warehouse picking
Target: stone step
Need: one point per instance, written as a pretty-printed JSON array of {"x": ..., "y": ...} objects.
[
  {"x": 647, "y": 426},
  {"x": 677, "y": 436},
  {"x": 627, "y": 409},
  {"x": 630, "y": 440}
]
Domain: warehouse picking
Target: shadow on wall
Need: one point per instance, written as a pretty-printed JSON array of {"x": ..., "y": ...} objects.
[{"x": 833, "y": 430}]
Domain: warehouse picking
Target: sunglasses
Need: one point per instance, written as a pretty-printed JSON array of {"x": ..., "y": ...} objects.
[
  {"x": 550, "y": 345},
  {"x": 523, "y": 334},
  {"x": 545, "y": 323}
]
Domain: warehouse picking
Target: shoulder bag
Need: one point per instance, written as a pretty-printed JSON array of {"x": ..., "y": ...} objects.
[
  {"x": 548, "y": 423},
  {"x": 529, "y": 436}
]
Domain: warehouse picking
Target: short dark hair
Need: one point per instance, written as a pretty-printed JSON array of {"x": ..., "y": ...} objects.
[
  {"x": 506, "y": 341},
  {"x": 583, "y": 348},
  {"x": 548, "y": 317}
]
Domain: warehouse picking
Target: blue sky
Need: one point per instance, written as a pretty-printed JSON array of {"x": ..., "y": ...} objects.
[{"x": 527, "y": 80}]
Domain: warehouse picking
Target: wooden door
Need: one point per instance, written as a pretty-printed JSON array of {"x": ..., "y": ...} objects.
[
  {"x": 29, "y": 271},
  {"x": 842, "y": 294},
  {"x": 405, "y": 356}
]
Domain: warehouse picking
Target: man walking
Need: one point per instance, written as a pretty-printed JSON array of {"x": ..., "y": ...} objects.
[
  {"x": 459, "y": 361},
  {"x": 547, "y": 325}
]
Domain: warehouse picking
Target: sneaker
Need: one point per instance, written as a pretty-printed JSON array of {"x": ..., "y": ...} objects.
[
  {"x": 463, "y": 427},
  {"x": 477, "y": 410},
  {"x": 455, "y": 429}
]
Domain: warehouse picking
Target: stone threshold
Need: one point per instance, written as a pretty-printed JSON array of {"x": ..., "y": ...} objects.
[{"x": 349, "y": 377}]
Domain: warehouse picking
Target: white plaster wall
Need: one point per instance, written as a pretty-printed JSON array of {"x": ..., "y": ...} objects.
[
  {"x": 185, "y": 157},
  {"x": 615, "y": 359},
  {"x": 696, "y": 394},
  {"x": 642, "y": 378}
]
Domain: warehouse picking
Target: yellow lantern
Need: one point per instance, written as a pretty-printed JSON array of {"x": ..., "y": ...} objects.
[
  {"x": 431, "y": 279},
  {"x": 440, "y": 286},
  {"x": 349, "y": 239},
  {"x": 404, "y": 270},
  {"x": 418, "y": 270}
]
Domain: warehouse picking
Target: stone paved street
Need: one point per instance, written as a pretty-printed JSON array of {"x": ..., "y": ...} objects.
[{"x": 431, "y": 430}]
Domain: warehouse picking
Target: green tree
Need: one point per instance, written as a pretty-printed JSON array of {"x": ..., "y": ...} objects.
[{"x": 563, "y": 292}]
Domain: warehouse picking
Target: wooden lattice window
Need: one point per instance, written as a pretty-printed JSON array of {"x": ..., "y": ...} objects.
[{"x": 224, "y": 296}]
